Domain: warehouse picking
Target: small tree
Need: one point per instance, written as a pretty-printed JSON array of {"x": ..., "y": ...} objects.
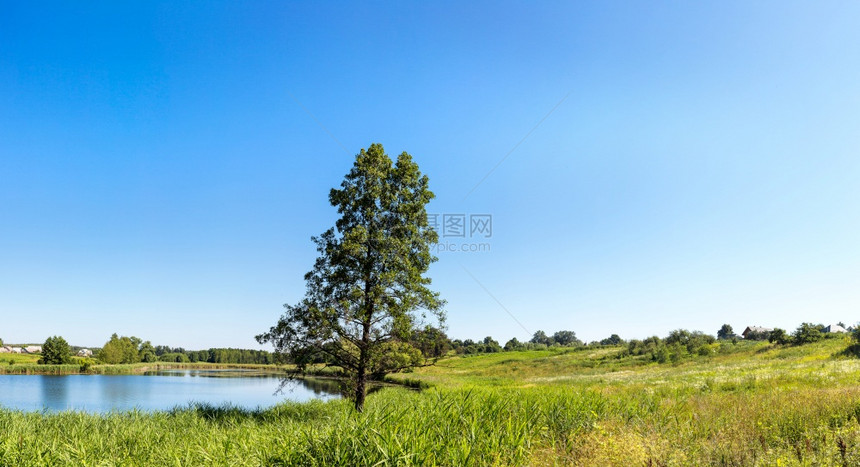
[
  {"x": 725, "y": 332},
  {"x": 778, "y": 336},
  {"x": 431, "y": 341},
  {"x": 513, "y": 344},
  {"x": 540, "y": 337},
  {"x": 491, "y": 345},
  {"x": 566, "y": 338},
  {"x": 367, "y": 292},
  {"x": 120, "y": 350},
  {"x": 614, "y": 339},
  {"x": 147, "y": 353},
  {"x": 55, "y": 351},
  {"x": 678, "y": 336},
  {"x": 806, "y": 333}
]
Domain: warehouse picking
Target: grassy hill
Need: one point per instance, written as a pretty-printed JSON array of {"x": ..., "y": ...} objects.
[
  {"x": 18, "y": 358},
  {"x": 745, "y": 404}
]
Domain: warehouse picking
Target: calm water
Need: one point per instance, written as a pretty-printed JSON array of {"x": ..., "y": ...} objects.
[{"x": 155, "y": 391}]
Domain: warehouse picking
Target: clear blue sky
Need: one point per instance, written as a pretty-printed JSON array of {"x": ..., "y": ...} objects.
[{"x": 663, "y": 165}]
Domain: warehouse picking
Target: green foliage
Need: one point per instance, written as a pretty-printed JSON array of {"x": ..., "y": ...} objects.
[
  {"x": 394, "y": 356},
  {"x": 779, "y": 336},
  {"x": 147, "y": 353},
  {"x": 725, "y": 332},
  {"x": 55, "y": 351},
  {"x": 678, "y": 346},
  {"x": 806, "y": 333},
  {"x": 230, "y": 355},
  {"x": 512, "y": 345},
  {"x": 368, "y": 283},
  {"x": 760, "y": 405},
  {"x": 431, "y": 341},
  {"x": 614, "y": 339},
  {"x": 540, "y": 337},
  {"x": 120, "y": 350},
  {"x": 565, "y": 338},
  {"x": 174, "y": 357},
  {"x": 491, "y": 345},
  {"x": 86, "y": 364}
]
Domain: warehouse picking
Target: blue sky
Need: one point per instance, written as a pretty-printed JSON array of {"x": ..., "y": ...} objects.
[{"x": 648, "y": 166}]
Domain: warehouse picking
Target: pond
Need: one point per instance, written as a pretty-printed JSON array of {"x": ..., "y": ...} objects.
[{"x": 161, "y": 390}]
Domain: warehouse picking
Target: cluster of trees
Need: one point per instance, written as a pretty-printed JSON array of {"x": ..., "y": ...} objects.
[
  {"x": 134, "y": 350},
  {"x": 230, "y": 355},
  {"x": 681, "y": 343},
  {"x": 678, "y": 345},
  {"x": 434, "y": 343},
  {"x": 806, "y": 333},
  {"x": 131, "y": 349}
]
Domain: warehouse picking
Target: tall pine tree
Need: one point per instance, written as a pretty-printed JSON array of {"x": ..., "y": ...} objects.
[{"x": 367, "y": 291}]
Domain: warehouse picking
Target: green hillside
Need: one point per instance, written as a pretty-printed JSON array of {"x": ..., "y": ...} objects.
[{"x": 742, "y": 404}]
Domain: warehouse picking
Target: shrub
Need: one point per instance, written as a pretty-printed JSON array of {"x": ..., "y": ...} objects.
[
  {"x": 174, "y": 357},
  {"x": 614, "y": 339},
  {"x": 778, "y": 336},
  {"x": 806, "y": 333},
  {"x": 55, "y": 351}
]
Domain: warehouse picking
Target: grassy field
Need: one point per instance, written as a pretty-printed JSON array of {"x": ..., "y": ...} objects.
[
  {"x": 748, "y": 404},
  {"x": 18, "y": 358}
]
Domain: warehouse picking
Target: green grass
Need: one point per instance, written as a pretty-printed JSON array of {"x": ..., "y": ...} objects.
[
  {"x": 751, "y": 404},
  {"x": 18, "y": 358}
]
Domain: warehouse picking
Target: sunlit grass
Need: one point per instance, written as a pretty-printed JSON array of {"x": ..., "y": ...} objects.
[
  {"x": 751, "y": 404},
  {"x": 17, "y": 358}
]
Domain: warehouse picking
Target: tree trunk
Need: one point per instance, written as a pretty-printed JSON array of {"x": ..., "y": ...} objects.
[
  {"x": 364, "y": 348},
  {"x": 361, "y": 377}
]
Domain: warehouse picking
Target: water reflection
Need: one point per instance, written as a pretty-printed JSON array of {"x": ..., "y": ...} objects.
[
  {"x": 316, "y": 385},
  {"x": 321, "y": 386},
  {"x": 55, "y": 391},
  {"x": 123, "y": 390}
]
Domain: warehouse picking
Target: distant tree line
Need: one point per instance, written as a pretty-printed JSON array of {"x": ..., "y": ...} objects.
[
  {"x": 131, "y": 349},
  {"x": 431, "y": 343},
  {"x": 434, "y": 343}
]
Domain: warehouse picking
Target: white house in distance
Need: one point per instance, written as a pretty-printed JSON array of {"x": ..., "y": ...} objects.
[
  {"x": 10, "y": 349},
  {"x": 835, "y": 328},
  {"x": 85, "y": 353},
  {"x": 33, "y": 349}
]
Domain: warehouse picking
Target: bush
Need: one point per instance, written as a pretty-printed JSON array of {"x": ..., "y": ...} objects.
[
  {"x": 778, "y": 336},
  {"x": 806, "y": 333},
  {"x": 174, "y": 357},
  {"x": 614, "y": 339},
  {"x": 55, "y": 351}
]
